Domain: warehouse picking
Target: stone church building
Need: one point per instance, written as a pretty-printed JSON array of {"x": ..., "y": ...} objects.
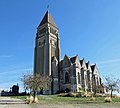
[{"x": 69, "y": 74}]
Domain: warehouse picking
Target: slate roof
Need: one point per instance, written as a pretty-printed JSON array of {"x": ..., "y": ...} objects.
[
  {"x": 72, "y": 59},
  {"x": 81, "y": 61},
  {"x": 86, "y": 65},
  {"x": 93, "y": 67},
  {"x": 47, "y": 19}
]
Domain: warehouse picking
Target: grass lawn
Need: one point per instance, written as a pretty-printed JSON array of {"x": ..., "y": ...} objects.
[
  {"x": 72, "y": 102},
  {"x": 20, "y": 97}
]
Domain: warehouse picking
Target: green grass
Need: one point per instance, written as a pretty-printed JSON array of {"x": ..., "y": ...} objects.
[
  {"x": 55, "y": 99},
  {"x": 116, "y": 99},
  {"x": 78, "y": 100},
  {"x": 19, "y": 97}
]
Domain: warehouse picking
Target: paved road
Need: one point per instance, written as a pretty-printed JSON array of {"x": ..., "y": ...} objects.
[{"x": 8, "y": 102}]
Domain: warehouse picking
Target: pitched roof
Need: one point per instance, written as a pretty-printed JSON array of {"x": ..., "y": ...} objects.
[
  {"x": 66, "y": 60},
  {"x": 81, "y": 61},
  {"x": 87, "y": 64},
  {"x": 47, "y": 19},
  {"x": 72, "y": 59},
  {"x": 93, "y": 67},
  {"x": 66, "y": 56}
]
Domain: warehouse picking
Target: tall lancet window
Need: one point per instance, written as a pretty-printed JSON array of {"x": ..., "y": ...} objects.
[
  {"x": 78, "y": 78},
  {"x": 66, "y": 78}
]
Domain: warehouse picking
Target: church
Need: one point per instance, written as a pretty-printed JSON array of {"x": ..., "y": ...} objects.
[{"x": 69, "y": 74}]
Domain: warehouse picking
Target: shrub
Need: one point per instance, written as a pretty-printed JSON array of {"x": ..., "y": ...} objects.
[
  {"x": 63, "y": 94},
  {"x": 70, "y": 94},
  {"x": 30, "y": 99},
  {"x": 87, "y": 94},
  {"x": 79, "y": 94},
  {"x": 36, "y": 99},
  {"x": 108, "y": 99},
  {"x": 100, "y": 95},
  {"x": 92, "y": 99}
]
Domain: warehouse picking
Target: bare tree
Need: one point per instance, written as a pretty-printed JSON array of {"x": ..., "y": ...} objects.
[
  {"x": 35, "y": 82},
  {"x": 96, "y": 89},
  {"x": 112, "y": 84}
]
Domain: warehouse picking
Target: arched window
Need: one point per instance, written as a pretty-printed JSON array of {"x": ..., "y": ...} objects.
[
  {"x": 78, "y": 78},
  {"x": 66, "y": 78}
]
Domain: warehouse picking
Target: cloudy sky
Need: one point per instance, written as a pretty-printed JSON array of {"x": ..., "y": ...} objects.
[{"x": 89, "y": 28}]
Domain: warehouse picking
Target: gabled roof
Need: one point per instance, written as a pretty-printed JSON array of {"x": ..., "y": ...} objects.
[
  {"x": 81, "y": 61},
  {"x": 47, "y": 19},
  {"x": 87, "y": 64},
  {"x": 66, "y": 61},
  {"x": 93, "y": 67},
  {"x": 66, "y": 56},
  {"x": 72, "y": 59}
]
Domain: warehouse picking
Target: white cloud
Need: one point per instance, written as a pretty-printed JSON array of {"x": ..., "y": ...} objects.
[{"x": 109, "y": 61}]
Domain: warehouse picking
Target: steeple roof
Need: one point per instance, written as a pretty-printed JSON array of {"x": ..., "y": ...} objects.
[{"x": 47, "y": 19}]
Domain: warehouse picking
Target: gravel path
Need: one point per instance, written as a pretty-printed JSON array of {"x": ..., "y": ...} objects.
[{"x": 8, "y": 102}]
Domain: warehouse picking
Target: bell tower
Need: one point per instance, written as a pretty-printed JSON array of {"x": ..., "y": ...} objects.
[{"x": 47, "y": 51}]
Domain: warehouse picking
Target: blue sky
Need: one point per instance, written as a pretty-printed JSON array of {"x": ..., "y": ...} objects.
[{"x": 89, "y": 28}]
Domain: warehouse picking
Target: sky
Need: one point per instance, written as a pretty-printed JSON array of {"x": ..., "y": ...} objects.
[{"x": 89, "y": 28}]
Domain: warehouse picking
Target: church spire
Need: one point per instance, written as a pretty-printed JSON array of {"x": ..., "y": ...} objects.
[{"x": 47, "y": 19}]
